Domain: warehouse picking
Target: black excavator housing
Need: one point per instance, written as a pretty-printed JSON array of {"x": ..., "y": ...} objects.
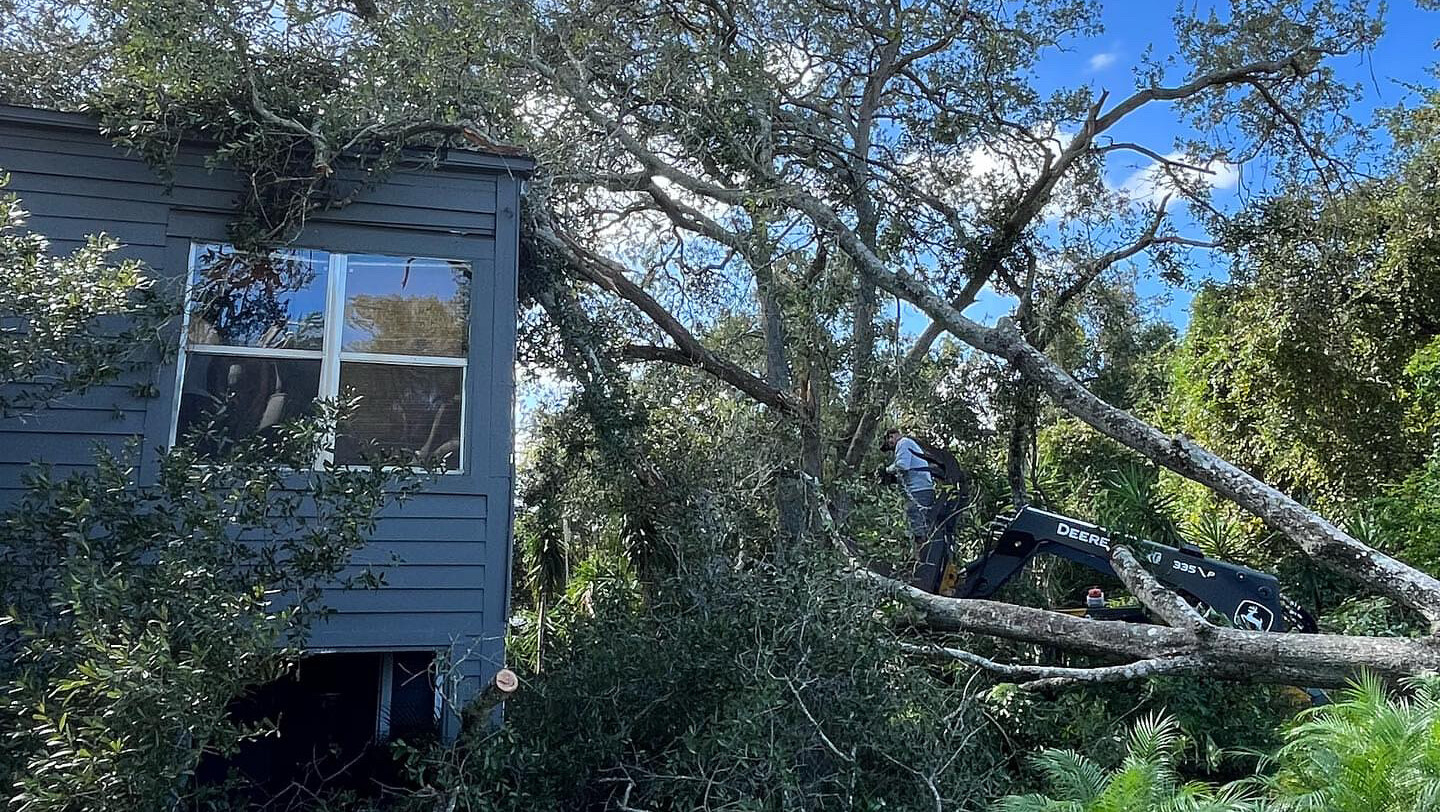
[{"x": 1248, "y": 598}]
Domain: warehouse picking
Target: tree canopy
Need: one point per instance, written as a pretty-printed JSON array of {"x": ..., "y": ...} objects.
[{"x": 764, "y": 230}]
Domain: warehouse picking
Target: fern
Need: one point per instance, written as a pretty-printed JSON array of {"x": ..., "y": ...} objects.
[
  {"x": 1370, "y": 750},
  {"x": 1145, "y": 781}
]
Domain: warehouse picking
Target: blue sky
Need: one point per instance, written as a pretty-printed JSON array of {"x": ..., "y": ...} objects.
[{"x": 1403, "y": 55}]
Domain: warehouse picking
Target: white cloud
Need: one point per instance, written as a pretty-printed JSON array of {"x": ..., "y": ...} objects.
[
  {"x": 800, "y": 71},
  {"x": 1152, "y": 183},
  {"x": 1101, "y": 61},
  {"x": 972, "y": 175}
]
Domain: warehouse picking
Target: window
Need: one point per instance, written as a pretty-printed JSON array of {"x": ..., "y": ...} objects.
[{"x": 265, "y": 336}]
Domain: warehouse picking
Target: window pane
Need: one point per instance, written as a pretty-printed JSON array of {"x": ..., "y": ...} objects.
[
  {"x": 243, "y": 396},
  {"x": 407, "y": 414},
  {"x": 406, "y": 306},
  {"x": 243, "y": 300}
]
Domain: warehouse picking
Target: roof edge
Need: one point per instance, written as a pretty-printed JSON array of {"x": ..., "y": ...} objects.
[{"x": 515, "y": 162}]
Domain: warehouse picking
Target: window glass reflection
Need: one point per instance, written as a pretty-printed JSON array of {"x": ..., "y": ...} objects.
[
  {"x": 407, "y": 415},
  {"x": 244, "y": 300},
  {"x": 242, "y": 396},
  {"x": 409, "y": 306}
]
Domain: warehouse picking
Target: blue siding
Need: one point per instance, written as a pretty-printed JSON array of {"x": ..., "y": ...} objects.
[{"x": 444, "y": 554}]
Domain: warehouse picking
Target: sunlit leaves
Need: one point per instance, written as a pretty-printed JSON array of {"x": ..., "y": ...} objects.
[{"x": 67, "y": 322}]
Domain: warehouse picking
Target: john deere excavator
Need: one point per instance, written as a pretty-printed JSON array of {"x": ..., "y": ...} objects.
[{"x": 1244, "y": 597}]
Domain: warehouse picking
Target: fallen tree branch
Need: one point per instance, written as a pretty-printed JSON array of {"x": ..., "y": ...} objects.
[
  {"x": 1040, "y": 677},
  {"x": 1317, "y": 536},
  {"x": 1169, "y": 606},
  {"x": 1312, "y": 660}
]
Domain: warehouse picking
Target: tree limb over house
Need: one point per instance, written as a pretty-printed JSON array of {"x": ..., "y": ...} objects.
[{"x": 802, "y": 163}]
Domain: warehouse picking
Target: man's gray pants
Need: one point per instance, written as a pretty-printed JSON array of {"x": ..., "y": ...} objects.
[
  {"x": 919, "y": 515},
  {"x": 918, "y": 505}
]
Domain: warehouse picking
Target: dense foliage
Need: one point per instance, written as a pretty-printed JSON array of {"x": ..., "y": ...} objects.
[
  {"x": 1369, "y": 750},
  {"x": 1309, "y": 363},
  {"x": 139, "y": 612},
  {"x": 1145, "y": 780},
  {"x": 756, "y": 688},
  {"x": 685, "y": 632},
  {"x": 139, "y": 603}
]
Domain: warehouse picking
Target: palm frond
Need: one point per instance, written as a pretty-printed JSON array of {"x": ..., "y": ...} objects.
[
  {"x": 1035, "y": 803},
  {"x": 1073, "y": 776},
  {"x": 1155, "y": 737},
  {"x": 1371, "y": 749}
]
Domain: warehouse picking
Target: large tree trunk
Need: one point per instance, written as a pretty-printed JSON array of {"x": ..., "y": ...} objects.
[
  {"x": 862, "y": 365},
  {"x": 1022, "y": 435},
  {"x": 792, "y": 502},
  {"x": 772, "y": 330},
  {"x": 1313, "y": 660}
]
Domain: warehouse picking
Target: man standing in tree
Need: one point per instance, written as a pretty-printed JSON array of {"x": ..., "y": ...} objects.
[{"x": 912, "y": 469}]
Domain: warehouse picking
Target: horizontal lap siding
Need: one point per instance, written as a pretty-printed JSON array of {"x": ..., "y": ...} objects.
[
  {"x": 439, "y": 577},
  {"x": 384, "y": 630},
  {"x": 72, "y": 448},
  {"x": 73, "y": 191},
  {"x": 434, "y": 551},
  {"x": 116, "y": 420},
  {"x": 95, "y": 178},
  {"x": 393, "y": 599}
]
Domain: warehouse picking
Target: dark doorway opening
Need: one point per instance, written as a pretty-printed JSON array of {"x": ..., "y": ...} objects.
[{"x": 334, "y": 718}]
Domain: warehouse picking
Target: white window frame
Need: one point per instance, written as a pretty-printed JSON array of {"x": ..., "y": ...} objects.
[{"x": 330, "y": 355}]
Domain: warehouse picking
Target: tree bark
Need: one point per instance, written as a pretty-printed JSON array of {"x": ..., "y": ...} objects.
[
  {"x": 1022, "y": 432},
  {"x": 1318, "y": 537},
  {"x": 1311, "y": 660},
  {"x": 862, "y": 367}
]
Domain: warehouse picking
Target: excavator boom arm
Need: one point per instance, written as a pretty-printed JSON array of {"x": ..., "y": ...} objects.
[{"x": 1249, "y": 598}]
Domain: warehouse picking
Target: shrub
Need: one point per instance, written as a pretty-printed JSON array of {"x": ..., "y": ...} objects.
[
  {"x": 1144, "y": 781},
  {"x": 138, "y": 611},
  {"x": 744, "y": 687},
  {"x": 1371, "y": 749}
]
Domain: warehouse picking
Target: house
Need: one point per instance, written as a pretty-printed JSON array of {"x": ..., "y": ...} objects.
[{"x": 407, "y": 295}]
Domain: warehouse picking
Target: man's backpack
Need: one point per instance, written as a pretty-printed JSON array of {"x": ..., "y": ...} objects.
[
  {"x": 952, "y": 484},
  {"x": 944, "y": 468}
]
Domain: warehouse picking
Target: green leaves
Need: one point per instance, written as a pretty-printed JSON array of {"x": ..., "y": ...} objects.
[
  {"x": 1145, "y": 781},
  {"x": 1132, "y": 501},
  {"x": 1422, "y": 390},
  {"x": 1310, "y": 366},
  {"x": 141, "y": 611},
  {"x": 732, "y": 687},
  {"x": 1371, "y": 749},
  {"x": 70, "y": 322}
]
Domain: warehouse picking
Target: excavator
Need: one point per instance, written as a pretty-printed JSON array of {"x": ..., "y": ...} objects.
[{"x": 1245, "y": 598}]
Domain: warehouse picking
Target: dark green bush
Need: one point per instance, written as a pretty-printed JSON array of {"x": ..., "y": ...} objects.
[
  {"x": 736, "y": 687},
  {"x": 137, "y": 612}
]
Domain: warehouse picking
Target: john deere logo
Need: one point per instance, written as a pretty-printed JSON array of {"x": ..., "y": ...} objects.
[{"x": 1253, "y": 616}]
